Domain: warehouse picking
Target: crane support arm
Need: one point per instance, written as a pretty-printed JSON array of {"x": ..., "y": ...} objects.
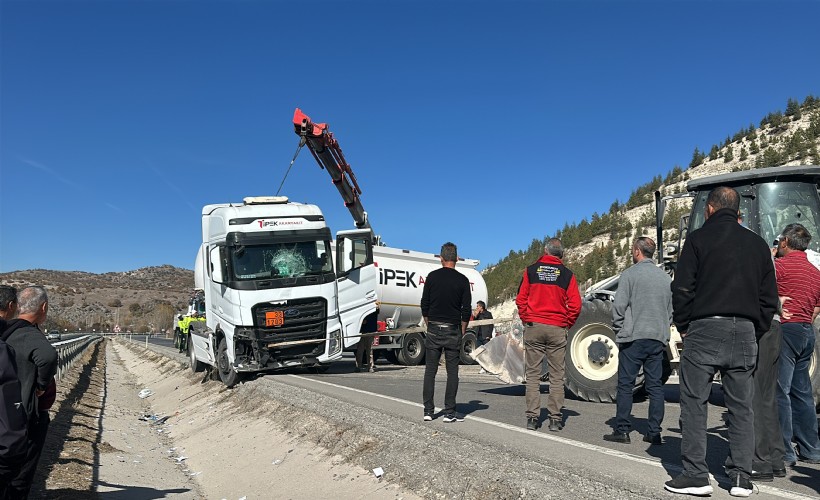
[{"x": 327, "y": 152}]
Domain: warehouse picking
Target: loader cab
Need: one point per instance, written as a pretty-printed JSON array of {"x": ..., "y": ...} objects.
[{"x": 770, "y": 199}]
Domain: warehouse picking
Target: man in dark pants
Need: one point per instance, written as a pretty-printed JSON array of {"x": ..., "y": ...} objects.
[
  {"x": 724, "y": 292},
  {"x": 769, "y": 450},
  {"x": 445, "y": 306},
  {"x": 36, "y": 367},
  {"x": 548, "y": 303},
  {"x": 641, "y": 315}
]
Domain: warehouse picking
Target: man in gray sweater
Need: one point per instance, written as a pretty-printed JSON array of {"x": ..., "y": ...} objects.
[{"x": 641, "y": 316}]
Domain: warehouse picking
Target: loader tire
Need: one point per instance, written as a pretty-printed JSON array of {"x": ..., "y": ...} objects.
[
  {"x": 412, "y": 349},
  {"x": 592, "y": 354},
  {"x": 469, "y": 342}
]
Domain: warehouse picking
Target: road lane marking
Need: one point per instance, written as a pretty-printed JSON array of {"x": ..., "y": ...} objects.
[{"x": 578, "y": 444}]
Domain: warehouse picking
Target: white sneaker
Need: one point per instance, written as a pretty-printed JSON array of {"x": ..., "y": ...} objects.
[
  {"x": 741, "y": 487},
  {"x": 428, "y": 417},
  {"x": 453, "y": 417}
]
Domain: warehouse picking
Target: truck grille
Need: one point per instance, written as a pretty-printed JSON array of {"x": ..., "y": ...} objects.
[{"x": 304, "y": 319}]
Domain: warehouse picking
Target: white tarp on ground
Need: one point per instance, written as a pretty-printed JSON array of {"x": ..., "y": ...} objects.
[{"x": 503, "y": 356}]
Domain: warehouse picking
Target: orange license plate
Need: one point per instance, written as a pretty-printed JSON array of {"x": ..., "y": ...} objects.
[{"x": 274, "y": 318}]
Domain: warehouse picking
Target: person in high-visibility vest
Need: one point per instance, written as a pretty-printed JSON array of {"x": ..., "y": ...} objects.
[{"x": 184, "y": 324}]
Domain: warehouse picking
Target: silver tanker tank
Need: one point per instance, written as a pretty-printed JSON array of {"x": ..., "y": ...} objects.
[{"x": 402, "y": 274}]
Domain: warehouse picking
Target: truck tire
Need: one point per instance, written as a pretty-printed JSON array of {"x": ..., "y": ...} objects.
[
  {"x": 592, "y": 355},
  {"x": 227, "y": 374},
  {"x": 469, "y": 342},
  {"x": 196, "y": 365},
  {"x": 412, "y": 349}
]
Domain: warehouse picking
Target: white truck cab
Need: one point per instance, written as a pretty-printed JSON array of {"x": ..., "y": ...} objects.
[{"x": 273, "y": 296}]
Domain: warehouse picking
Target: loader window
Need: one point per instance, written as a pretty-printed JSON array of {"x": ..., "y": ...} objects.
[
  {"x": 698, "y": 216},
  {"x": 783, "y": 203},
  {"x": 280, "y": 260}
]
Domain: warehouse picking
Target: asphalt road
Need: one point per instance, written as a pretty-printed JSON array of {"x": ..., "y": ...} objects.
[{"x": 483, "y": 398}]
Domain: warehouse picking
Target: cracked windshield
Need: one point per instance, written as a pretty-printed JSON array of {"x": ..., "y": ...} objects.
[{"x": 282, "y": 260}]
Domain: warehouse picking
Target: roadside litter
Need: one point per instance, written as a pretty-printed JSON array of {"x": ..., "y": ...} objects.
[
  {"x": 145, "y": 393},
  {"x": 378, "y": 472}
]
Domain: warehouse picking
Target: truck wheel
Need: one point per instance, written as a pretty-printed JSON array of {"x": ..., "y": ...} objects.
[
  {"x": 412, "y": 349},
  {"x": 227, "y": 374},
  {"x": 468, "y": 344},
  {"x": 196, "y": 365},
  {"x": 592, "y": 355}
]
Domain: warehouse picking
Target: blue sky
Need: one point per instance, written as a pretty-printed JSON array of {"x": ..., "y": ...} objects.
[{"x": 485, "y": 123}]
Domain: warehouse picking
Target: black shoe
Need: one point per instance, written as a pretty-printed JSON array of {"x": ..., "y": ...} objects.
[
  {"x": 689, "y": 486},
  {"x": 779, "y": 472},
  {"x": 618, "y": 437},
  {"x": 555, "y": 425},
  {"x": 765, "y": 477},
  {"x": 453, "y": 417},
  {"x": 532, "y": 424},
  {"x": 653, "y": 439},
  {"x": 808, "y": 460},
  {"x": 741, "y": 486},
  {"x": 428, "y": 417}
]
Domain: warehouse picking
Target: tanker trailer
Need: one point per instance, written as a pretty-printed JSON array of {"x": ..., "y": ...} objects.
[{"x": 401, "y": 280}]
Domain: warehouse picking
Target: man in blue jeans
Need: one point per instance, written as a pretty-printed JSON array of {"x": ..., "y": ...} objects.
[
  {"x": 724, "y": 292},
  {"x": 641, "y": 316},
  {"x": 799, "y": 281}
]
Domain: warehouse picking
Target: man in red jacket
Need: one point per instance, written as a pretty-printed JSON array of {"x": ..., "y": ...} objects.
[{"x": 548, "y": 303}]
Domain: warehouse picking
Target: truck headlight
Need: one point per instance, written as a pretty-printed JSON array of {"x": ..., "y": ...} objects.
[{"x": 334, "y": 345}]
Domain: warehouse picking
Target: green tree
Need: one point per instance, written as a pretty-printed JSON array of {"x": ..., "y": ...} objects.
[
  {"x": 729, "y": 156},
  {"x": 713, "y": 153},
  {"x": 753, "y": 148},
  {"x": 697, "y": 158},
  {"x": 743, "y": 154},
  {"x": 792, "y": 107}
]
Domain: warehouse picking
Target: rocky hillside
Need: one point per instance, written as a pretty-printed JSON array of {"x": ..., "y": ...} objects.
[
  {"x": 598, "y": 247},
  {"x": 141, "y": 300}
]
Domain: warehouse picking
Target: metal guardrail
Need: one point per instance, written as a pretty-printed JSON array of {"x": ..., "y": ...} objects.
[{"x": 68, "y": 351}]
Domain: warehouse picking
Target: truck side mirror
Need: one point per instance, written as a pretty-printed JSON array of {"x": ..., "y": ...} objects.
[{"x": 215, "y": 264}]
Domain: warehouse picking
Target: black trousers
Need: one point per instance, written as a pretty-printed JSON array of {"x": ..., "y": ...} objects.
[
  {"x": 21, "y": 484},
  {"x": 435, "y": 344},
  {"x": 769, "y": 449}
]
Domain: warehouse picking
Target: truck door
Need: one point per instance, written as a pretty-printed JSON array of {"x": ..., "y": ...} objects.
[{"x": 356, "y": 277}]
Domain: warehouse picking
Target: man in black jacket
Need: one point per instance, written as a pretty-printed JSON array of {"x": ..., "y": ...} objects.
[
  {"x": 724, "y": 292},
  {"x": 445, "y": 306},
  {"x": 36, "y": 367}
]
